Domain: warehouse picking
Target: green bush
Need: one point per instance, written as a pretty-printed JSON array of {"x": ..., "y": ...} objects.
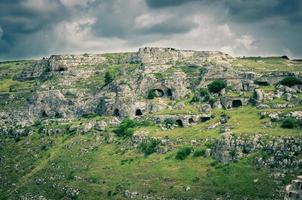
[
  {"x": 108, "y": 78},
  {"x": 199, "y": 152},
  {"x": 151, "y": 94},
  {"x": 149, "y": 147},
  {"x": 212, "y": 100},
  {"x": 126, "y": 128},
  {"x": 289, "y": 123},
  {"x": 217, "y": 85},
  {"x": 290, "y": 81},
  {"x": 204, "y": 92},
  {"x": 194, "y": 99},
  {"x": 183, "y": 153},
  {"x": 169, "y": 122}
]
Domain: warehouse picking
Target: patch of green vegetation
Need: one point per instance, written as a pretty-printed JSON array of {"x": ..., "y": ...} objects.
[
  {"x": 101, "y": 171},
  {"x": 151, "y": 94},
  {"x": 289, "y": 123},
  {"x": 108, "y": 78},
  {"x": 117, "y": 58},
  {"x": 20, "y": 99},
  {"x": 199, "y": 152},
  {"x": 149, "y": 147},
  {"x": 9, "y": 85},
  {"x": 183, "y": 153},
  {"x": 290, "y": 81},
  {"x": 241, "y": 118},
  {"x": 269, "y": 88},
  {"x": 11, "y": 69},
  {"x": 217, "y": 85},
  {"x": 259, "y": 64}
]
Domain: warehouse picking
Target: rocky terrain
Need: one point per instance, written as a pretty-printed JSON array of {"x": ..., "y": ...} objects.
[{"x": 159, "y": 123}]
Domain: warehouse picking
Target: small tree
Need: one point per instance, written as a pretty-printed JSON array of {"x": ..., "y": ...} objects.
[
  {"x": 108, "y": 78},
  {"x": 217, "y": 85},
  {"x": 289, "y": 123},
  {"x": 290, "y": 81}
]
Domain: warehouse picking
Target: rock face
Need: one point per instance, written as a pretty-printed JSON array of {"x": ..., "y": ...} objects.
[
  {"x": 294, "y": 190},
  {"x": 71, "y": 86},
  {"x": 281, "y": 151}
]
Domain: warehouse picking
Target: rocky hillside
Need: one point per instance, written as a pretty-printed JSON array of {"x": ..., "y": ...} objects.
[{"x": 159, "y": 123}]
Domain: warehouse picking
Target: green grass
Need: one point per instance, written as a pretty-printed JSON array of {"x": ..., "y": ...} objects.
[
  {"x": 13, "y": 68},
  {"x": 246, "y": 120},
  {"x": 9, "y": 85},
  {"x": 259, "y": 64},
  {"x": 97, "y": 170}
]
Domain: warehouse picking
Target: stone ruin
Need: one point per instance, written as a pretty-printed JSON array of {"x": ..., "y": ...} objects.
[{"x": 294, "y": 190}]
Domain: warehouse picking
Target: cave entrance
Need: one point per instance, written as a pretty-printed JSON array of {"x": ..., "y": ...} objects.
[
  {"x": 116, "y": 112},
  {"x": 44, "y": 114},
  {"x": 169, "y": 92},
  {"x": 179, "y": 123},
  {"x": 159, "y": 92},
  {"x": 62, "y": 69},
  {"x": 262, "y": 83},
  {"x": 191, "y": 120},
  {"x": 236, "y": 103},
  {"x": 138, "y": 112},
  {"x": 204, "y": 119}
]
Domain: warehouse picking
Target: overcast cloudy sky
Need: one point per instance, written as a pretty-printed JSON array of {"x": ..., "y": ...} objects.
[{"x": 35, "y": 28}]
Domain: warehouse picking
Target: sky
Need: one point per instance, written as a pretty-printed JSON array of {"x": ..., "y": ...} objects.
[{"x": 38, "y": 28}]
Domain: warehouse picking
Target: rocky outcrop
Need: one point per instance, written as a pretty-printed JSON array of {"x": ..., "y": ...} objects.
[
  {"x": 294, "y": 190},
  {"x": 154, "y": 55},
  {"x": 277, "y": 152}
]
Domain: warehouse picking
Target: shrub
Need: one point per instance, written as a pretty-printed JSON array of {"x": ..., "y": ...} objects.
[
  {"x": 151, "y": 94},
  {"x": 126, "y": 128},
  {"x": 183, "y": 153},
  {"x": 289, "y": 123},
  {"x": 217, "y": 85},
  {"x": 203, "y": 92},
  {"x": 108, "y": 78},
  {"x": 212, "y": 101},
  {"x": 149, "y": 147},
  {"x": 168, "y": 123},
  {"x": 199, "y": 152},
  {"x": 290, "y": 81},
  {"x": 194, "y": 99}
]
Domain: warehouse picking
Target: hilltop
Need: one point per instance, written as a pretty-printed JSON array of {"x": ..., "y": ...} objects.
[{"x": 159, "y": 123}]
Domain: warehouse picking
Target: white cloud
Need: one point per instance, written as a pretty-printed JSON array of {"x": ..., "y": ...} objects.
[
  {"x": 40, "y": 5},
  {"x": 73, "y": 3},
  {"x": 150, "y": 19}
]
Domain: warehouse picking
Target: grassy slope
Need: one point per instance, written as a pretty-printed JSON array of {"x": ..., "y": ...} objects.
[
  {"x": 97, "y": 170},
  {"x": 259, "y": 64}
]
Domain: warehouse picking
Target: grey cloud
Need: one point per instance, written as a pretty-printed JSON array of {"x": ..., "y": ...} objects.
[{"x": 34, "y": 30}]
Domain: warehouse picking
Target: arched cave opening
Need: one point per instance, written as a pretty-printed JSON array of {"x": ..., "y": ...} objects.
[
  {"x": 262, "y": 83},
  {"x": 138, "y": 112},
  {"x": 179, "y": 123},
  {"x": 62, "y": 69},
  {"x": 191, "y": 120},
  {"x": 116, "y": 112},
  {"x": 236, "y": 103},
  {"x": 204, "y": 119},
  {"x": 169, "y": 92}
]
